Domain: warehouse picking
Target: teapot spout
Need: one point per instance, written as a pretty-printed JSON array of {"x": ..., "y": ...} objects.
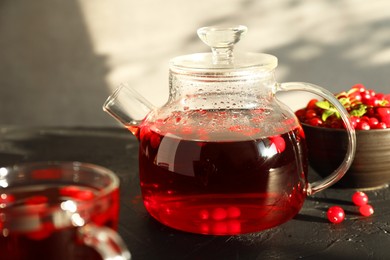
[{"x": 128, "y": 107}]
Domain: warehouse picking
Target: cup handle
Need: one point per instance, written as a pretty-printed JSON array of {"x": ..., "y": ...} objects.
[
  {"x": 105, "y": 241},
  {"x": 342, "y": 169}
]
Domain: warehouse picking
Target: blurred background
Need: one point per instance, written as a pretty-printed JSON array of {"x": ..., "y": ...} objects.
[{"x": 59, "y": 60}]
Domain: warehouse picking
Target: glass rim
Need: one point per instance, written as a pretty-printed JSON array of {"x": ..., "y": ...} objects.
[{"x": 70, "y": 165}]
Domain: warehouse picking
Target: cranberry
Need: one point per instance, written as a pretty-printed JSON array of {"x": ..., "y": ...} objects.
[
  {"x": 204, "y": 214},
  {"x": 301, "y": 114},
  {"x": 219, "y": 214},
  {"x": 335, "y": 214},
  {"x": 381, "y": 125},
  {"x": 366, "y": 210},
  {"x": 233, "y": 212},
  {"x": 359, "y": 198},
  {"x": 310, "y": 113},
  {"x": 372, "y": 92},
  {"x": 368, "y": 110},
  {"x": 380, "y": 96},
  {"x": 383, "y": 111},
  {"x": 366, "y": 96},
  {"x": 373, "y": 121},
  {"x": 363, "y": 125},
  {"x": 315, "y": 121},
  {"x": 360, "y": 87},
  {"x": 354, "y": 120},
  {"x": 312, "y": 104},
  {"x": 336, "y": 123},
  {"x": 386, "y": 120},
  {"x": 365, "y": 119},
  {"x": 355, "y": 96},
  {"x": 387, "y": 97},
  {"x": 372, "y": 101}
]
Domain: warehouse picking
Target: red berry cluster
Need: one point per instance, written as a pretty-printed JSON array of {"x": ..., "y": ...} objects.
[
  {"x": 336, "y": 214},
  {"x": 367, "y": 109}
]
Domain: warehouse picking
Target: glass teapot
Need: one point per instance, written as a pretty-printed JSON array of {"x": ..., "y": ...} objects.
[{"x": 223, "y": 156}]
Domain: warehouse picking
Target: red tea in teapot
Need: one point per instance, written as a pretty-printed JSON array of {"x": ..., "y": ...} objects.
[
  {"x": 214, "y": 183},
  {"x": 223, "y": 155}
]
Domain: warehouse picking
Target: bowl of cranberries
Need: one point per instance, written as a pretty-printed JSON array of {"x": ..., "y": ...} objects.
[{"x": 327, "y": 139}]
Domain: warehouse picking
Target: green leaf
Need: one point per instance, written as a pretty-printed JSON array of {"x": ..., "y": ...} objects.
[
  {"x": 344, "y": 101},
  {"x": 326, "y": 114},
  {"x": 323, "y": 104},
  {"x": 360, "y": 111}
]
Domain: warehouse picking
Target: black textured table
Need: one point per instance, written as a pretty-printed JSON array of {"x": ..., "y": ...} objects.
[{"x": 308, "y": 236}]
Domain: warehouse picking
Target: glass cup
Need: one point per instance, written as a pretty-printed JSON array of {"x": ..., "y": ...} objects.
[{"x": 59, "y": 210}]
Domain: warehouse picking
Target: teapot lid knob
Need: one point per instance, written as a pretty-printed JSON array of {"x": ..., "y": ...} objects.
[{"x": 222, "y": 40}]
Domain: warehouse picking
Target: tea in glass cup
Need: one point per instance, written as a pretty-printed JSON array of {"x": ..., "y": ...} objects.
[{"x": 59, "y": 210}]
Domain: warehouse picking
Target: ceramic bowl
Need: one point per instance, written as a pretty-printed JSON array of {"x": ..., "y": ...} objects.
[{"x": 370, "y": 168}]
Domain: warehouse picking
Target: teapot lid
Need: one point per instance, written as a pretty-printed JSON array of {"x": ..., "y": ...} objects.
[{"x": 222, "y": 58}]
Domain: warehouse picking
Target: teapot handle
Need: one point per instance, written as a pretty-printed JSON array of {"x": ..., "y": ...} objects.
[{"x": 342, "y": 169}]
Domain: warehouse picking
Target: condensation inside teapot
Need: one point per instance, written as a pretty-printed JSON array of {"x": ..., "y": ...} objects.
[{"x": 229, "y": 95}]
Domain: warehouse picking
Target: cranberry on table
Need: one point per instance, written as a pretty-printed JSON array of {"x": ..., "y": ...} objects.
[
  {"x": 359, "y": 198},
  {"x": 366, "y": 210},
  {"x": 335, "y": 214}
]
